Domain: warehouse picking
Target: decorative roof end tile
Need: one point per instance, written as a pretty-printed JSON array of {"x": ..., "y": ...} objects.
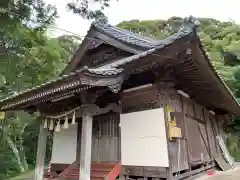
[{"x": 189, "y": 24}]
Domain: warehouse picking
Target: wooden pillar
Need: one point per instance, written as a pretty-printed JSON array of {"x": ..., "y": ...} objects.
[
  {"x": 86, "y": 148},
  {"x": 79, "y": 136},
  {"x": 169, "y": 173},
  {"x": 41, "y": 152}
]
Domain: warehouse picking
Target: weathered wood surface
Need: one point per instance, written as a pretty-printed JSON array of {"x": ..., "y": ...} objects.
[
  {"x": 41, "y": 152},
  {"x": 86, "y": 147}
]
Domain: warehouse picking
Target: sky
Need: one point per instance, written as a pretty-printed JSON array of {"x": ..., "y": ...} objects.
[{"x": 147, "y": 10}]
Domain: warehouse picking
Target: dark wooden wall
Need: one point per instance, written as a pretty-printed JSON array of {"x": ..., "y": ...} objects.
[
  {"x": 177, "y": 148},
  {"x": 199, "y": 131},
  {"x": 199, "y": 127}
]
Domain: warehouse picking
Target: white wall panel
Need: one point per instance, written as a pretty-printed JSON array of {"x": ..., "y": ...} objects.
[
  {"x": 143, "y": 138},
  {"x": 65, "y": 145}
]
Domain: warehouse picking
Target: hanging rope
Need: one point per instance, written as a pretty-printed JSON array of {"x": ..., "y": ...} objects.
[
  {"x": 58, "y": 118},
  {"x": 64, "y": 114}
]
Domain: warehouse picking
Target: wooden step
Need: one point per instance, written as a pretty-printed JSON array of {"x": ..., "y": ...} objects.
[{"x": 98, "y": 172}]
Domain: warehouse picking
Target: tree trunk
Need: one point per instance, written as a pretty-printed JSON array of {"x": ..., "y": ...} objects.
[
  {"x": 16, "y": 153},
  {"x": 21, "y": 149}
]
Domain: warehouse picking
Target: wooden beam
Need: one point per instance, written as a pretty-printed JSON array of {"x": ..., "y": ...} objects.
[
  {"x": 86, "y": 148},
  {"x": 41, "y": 152},
  {"x": 194, "y": 172}
]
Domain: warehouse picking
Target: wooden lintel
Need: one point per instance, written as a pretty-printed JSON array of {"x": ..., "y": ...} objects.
[{"x": 92, "y": 109}]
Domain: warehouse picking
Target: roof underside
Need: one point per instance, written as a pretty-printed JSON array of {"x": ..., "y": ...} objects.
[
  {"x": 75, "y": 82},
  {"x": 192, "y": 72}
]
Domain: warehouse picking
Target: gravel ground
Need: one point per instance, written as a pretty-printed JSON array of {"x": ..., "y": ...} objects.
[{"x": 233, "y": 174}]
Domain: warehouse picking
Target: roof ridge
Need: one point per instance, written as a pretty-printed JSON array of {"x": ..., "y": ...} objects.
[
  {"x": 189, "y": 24},
  {"x": 121, "y": 30},
  {"x": 125, "y": 35}
]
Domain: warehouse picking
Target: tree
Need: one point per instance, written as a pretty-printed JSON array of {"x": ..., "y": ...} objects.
[
  {"x": 82, "y": 8},
  {"x": 29, "y": 59}
]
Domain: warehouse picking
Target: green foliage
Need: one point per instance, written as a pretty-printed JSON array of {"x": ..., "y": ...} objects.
[
  {"x": 83, "y": 8},
  {"x": 8, "y": 165},
  {"x": 30, "y": 58}
]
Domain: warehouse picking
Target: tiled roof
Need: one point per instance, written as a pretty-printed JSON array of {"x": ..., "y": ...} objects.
[
  {"x": 107, "y": 72},
  {"x": 125, "y": 36},
  {"x": 138, "y": 40},
  {"x": 114, "y": 68},
  {"x": 111, "y": 69}
]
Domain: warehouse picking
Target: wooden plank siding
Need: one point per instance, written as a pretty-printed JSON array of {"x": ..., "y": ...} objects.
[
  {"x": 199, "y": 132},
  {"x": 196, "y": 123},
  {"x": 173, "y": 99},
  {"x": 105, "y": 139}
]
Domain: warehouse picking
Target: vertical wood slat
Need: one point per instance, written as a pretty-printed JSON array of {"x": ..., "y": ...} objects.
[
  {"x": 41, "y": 152},
  {"x": 196, "y": 113},
  {"x": 106, "y": 142},
  {"x": 194, "y": 136},
  {"x": 215, "y": 130},
  {"x": 174, "y": 100},
  {"x": 210, "y": 133},
  {"x": 207, "y": 133},
  {"x": 199, "y": 114},
  {"x": 186, "y": 133},
  {"x": 204, "y": 142}
]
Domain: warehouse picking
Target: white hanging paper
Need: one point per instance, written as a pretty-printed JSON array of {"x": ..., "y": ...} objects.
[
  {"x": 65, "y": 126},
  {"x": 74, "y": 118},
  {"x": 51, "y": 125},
  {"x": 57, "y": 128},
  {"x": 45, "y": 124}
]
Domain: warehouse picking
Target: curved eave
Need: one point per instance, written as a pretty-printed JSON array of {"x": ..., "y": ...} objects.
[
  {"x": 77, "y": 81},
  {"x": 119, "y": 38},
  {"x": 232, "y": 106}
]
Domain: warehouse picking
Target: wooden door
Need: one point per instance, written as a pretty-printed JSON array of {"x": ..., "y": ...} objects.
[
  {"x": 106, "y": 139},
  {"x": 197, "y": 134}
]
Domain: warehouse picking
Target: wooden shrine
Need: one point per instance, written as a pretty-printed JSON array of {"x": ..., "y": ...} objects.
[{"x": 131, "y": 107}]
